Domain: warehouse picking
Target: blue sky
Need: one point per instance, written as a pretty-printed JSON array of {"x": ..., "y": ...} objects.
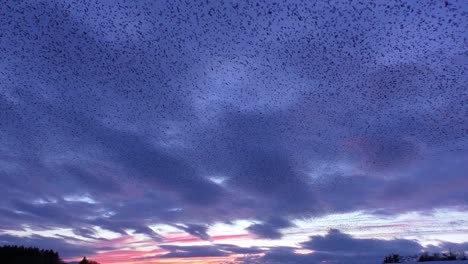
[{"x": 226, "y": 130}]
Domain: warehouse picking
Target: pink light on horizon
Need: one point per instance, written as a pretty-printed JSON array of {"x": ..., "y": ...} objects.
[
  {"x": 138, "y": 257},
  {"x": 130, "y": 256}
]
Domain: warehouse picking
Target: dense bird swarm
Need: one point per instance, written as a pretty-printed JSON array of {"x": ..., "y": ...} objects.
[{"x": 126, "y": 114}]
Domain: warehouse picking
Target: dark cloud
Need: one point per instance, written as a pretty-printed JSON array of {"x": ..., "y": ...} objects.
[
  {"x": 270, "y": 228},
  {"x": 338, "y": 247},
  {"x": 85, "y": 232},
  {"x": 149, "y": 232},
  {"x": 192, "y": 251},
  {"x": 196, "y": 230},
  {"x": 339, "y": 243}
]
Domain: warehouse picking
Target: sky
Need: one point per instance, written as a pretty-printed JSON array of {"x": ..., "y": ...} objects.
[{"x": 234, "y": 132}]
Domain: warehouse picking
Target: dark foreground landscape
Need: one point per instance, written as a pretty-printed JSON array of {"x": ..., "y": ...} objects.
[{"x": 31, "y": 255}]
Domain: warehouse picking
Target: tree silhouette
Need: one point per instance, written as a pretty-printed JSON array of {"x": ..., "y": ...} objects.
[
  {"x": 450, "y": 256},
  {"x": 394, "y": 258},
  {"x": 30, "y": 255},
  {"x": 86, "y": 261}
]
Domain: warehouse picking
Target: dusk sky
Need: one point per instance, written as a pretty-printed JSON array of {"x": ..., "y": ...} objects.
[{"x": 240, "y": 132}]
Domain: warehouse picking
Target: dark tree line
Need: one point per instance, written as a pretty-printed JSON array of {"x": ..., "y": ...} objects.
[
  {"x": 28, "y": 255},
  {"x": 426, "y": 257},
  {"x": 32, "y": 255},
  {"x": 394, "y": 258}
]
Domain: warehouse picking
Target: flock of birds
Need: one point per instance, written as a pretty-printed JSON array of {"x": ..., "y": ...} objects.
[{"x": 225, "y": 84}]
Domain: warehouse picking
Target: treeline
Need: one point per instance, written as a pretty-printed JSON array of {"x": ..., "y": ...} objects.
[
  {"x": 86, "y": 261},
  {"x": 28, "y": 255},
  {"x": 426, "y": 257},
  {"x": 32, "y": 255},
  {"x": 394, "y": 258}
]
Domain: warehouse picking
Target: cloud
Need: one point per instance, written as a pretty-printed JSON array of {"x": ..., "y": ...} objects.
[
  {"x": 85, "y": 232},
  {"x": 215, "y": 250},
  {"x": 193, "y": 251},
  {"x": 338, "y": 247},
  {"x": 195, "y": 230},
  {"x": 339, "y": 243},
  {"x": 270, "y": 228},
  {"x": 149, "y": 232},
  {"x": 334, "y": 247}
]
